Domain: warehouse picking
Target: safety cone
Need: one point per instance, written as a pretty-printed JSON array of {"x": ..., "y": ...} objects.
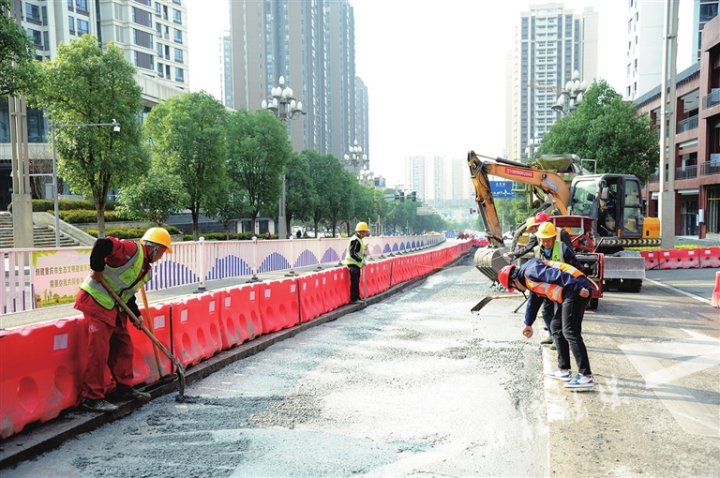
[{"x": 715, "y": 301}]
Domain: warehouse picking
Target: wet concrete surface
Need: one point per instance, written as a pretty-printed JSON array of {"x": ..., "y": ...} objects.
[{"x": 413, "y": 386}]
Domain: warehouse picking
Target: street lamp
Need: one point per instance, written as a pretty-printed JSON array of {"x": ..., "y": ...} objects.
[
  {"x": 571, "y": 96},
  {"x": 355, "y": 159},
  {"x": 532, "y": 147},
  {"x": 366, "y": 177},
  {"x": 53, "y": 125},
  {"x": 285, "y": 108}
]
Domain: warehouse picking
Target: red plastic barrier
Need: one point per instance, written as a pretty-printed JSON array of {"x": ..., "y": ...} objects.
[
  {"x": 336, "y": 288},
  {"x": 651, "y": 259},
  {"x": 690, "y": 259},
  {"x": 279, "y": 305},
  {"x": 715, "y": 301},
  {"x": 311, "y": 296},
  {"x": 383, "y": 280},
  {"x": 240, "y": 315},
  {"x": 709, "y": 257},
  {"x": 39, "y": 373},
  {"x": 144, "y": 365},
  {"x": 399, "y": 270},
  {"x": 196, "y": 328},
  {"x": 671, "y": 259}
]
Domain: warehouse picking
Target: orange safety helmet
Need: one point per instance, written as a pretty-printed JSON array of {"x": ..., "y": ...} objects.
[
  {"x": 504, "y": 277},
  {"x": 541, "y": 217}
]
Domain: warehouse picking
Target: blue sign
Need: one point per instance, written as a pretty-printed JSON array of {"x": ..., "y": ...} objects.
[{"x": 502, "y": 189}]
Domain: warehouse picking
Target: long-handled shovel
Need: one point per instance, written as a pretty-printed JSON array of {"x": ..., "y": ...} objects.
[
  {"x": 151, "y": 328},
  {"x": 486, "y": 300},
  {"x": 139, "y": 324}
]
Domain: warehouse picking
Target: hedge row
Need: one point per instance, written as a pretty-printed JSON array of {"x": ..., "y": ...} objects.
[
  {"x": 48, "y": 205},
  {"x": 82, "y": 217},
  {"x": 131, "y": 232}
]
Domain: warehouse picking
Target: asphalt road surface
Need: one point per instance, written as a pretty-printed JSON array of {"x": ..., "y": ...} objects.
[{"x": 414, "y": 386}]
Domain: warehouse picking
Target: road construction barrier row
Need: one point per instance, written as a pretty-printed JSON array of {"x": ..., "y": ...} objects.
[
  {"x": 41, "y": 365},
  {"x": 682, "y": 258}
]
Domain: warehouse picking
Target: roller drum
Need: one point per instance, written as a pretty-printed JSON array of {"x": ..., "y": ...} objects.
[{"x": 490, "y": 261}]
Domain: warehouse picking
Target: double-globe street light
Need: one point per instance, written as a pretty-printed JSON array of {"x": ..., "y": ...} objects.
[
  {"x": 355, "y": 159},
  {"x": 285, "y": 108},
  {"x": 53, "y": 126},
  {"x": 571, "y": 96}
]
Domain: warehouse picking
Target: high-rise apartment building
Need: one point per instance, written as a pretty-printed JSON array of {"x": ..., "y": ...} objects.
[
  {"x": 152, "y": 33},
  {"x": 311, "y": 44},
  {"x": 415, "y": 175},
  {"x": 645, "y": 27},
  {"x": 362, "y": 118},
  {"x": 550, "y": 43},
  {"x": 226, "y": 90}
]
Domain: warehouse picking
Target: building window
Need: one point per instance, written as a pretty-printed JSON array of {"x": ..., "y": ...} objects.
[
  {"x": 145, "y": 2},
  {"x": 178, "y": 35},
  {"x": 142, "y": 38},
  {"x": 141, "y": 17},
  {"x": 37, "y": 37},
  {"x": 179, "y": 74},
  {"x": 177, "y": 16},
  {"x": 81, "y": 6},
  {"x": 167, "y": 71},
  {"x": 82, "y": 27},
  {"x": 144, "y": 60},
  {"x": 178, "y": 55},
  {"x": 159, "y": 48},
  {"x": 70, "y": 4},
  {"x": 160, "y": 70},
  {"x": 71, "y": 25},
  {"x": 32, "y": 14},
  {"x": 176, "y": 1},
  {"x": 157, "y": 9}
]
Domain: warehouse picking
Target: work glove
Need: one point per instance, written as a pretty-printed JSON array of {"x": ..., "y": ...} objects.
[{"x": 132, "y": 305}]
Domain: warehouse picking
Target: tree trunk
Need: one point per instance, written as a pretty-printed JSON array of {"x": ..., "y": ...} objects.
[
  {"x": 100, "y": 202},
  {"x": 195, "y": 212},
  {"x": 288, "y": 226},
  {"x": 252, "y": 222}
]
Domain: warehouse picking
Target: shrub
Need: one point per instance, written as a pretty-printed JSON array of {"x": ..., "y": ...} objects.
[
  {"x": 131, "y": 232},
  {"x": 48, "y": 205}
]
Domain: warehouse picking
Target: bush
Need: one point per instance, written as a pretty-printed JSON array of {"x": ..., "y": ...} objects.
[
  {"x": 131, "y": 232},
  {"x": 48, "y": 205},
  {"x": 83, "y": 216}
]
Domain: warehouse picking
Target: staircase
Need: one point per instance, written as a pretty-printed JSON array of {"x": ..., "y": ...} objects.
[{"x": 43, "y": 236}]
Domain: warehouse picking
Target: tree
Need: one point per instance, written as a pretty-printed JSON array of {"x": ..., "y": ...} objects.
[
  {"x": 258, "y": 150},
  {"x": 227, "y": 207},
  {"x": 341, "y": 196},
  {"x": 325, "y": 173},
  {"x": 84, "y": 86},
  {"x": 17, "y": 52},
  {"x": 608, "y": 129},
  {"x": 363, "y": 205},
  {"x": 300, "y": 196},
  {"x": 154, "y": 198},
  {"x": 187, "y": 138}
]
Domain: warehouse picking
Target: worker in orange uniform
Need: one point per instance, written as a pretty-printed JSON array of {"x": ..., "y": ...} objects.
[
  {"x": 125, "y": 265},
  {"x": 355, "y": 259},
  {"x": 565, "y": 285}
]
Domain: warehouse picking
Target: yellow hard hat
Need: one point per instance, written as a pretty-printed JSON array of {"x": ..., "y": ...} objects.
[
  {"x": 530, "y": 222},
  {"x": 546, "y": 230},
  {"x": 362, "y": 226},
  {"x": 158, "y": 235}
]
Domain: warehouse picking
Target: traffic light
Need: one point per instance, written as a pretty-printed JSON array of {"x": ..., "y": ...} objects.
[
  {"x": 472, "y": 210},
  {"x": 413, "y": 196},
  {"x": 400, "y": 196}
]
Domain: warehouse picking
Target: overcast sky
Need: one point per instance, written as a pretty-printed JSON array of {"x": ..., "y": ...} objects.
[{"x": 434, "y": 69}]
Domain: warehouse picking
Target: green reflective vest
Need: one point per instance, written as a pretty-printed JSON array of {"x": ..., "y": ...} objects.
[
  {"x": 120, "y": 279},
  {"x": 558, "y": 252},
  {"x": 349, "y": 261}
]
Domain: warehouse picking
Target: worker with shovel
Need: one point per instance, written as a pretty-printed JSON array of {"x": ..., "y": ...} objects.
[
  {"x": 565, "y": 285},
  {"x": 355, "y": 259},
  {"x": 124, "y": 266}
]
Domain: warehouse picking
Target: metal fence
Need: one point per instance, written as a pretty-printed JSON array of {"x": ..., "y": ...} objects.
[{"x": 34, "y": 276}]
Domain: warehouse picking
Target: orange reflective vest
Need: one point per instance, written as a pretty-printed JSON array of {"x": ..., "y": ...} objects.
[{"x": 552, "y": 291}]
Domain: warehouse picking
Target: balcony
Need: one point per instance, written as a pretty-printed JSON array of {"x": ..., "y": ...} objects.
[
  {"x": 709, "y": 168},
  {"x": 687, "y": 124},
  {"x": 690, "y": 172},
  {"x": 712, "y": 99}
]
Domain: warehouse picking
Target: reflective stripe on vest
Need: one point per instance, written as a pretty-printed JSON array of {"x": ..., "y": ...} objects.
[
  {"x": 552, "y": 291},
  {"x": 120, "y": 279},
  {"x": 558, "y": 253},
  {"x": 349, "y": 261}
]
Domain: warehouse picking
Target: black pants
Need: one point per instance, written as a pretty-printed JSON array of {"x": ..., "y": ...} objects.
[
  {"x": 354, "y": 282},
  {"x": 566, "y": 329}
]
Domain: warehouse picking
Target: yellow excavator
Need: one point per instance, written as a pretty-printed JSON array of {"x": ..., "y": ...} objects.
[{"x": 608, "y": 209}]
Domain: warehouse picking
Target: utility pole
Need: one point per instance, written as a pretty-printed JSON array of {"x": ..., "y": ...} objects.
[{"x": 666, "y": 196}]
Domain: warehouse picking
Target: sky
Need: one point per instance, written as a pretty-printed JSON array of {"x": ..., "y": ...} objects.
[{"x": 434, "y": 69}]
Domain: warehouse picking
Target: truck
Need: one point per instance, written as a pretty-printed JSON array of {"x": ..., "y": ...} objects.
[{"x": 605, "y": 215}]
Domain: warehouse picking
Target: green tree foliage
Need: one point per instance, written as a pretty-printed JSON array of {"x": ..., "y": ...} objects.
[
  {"x": 154, "y": 198},
  {"x": 608, "y": 129},
  {"x": 363, "y": 205},
  {"x": 187, "y": 138},
  {"x": 84, "y": 85},
  {"x": 258, "y": 151},
  {"x": 300, "y": 194},
  {"x": 17, "y": 52},
  {"x": 341, "y": 202},
  {"x": 227, "y": 207},
  {"x": 326, "y": 173}
]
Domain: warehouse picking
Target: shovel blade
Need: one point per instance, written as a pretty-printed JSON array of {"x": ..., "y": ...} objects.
[{"x": 481, "y": 304}]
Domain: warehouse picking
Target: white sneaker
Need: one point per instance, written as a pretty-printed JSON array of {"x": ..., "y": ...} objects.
[
  {"x": 559, "y": 374},
  {"x": 581, "y": 381}
]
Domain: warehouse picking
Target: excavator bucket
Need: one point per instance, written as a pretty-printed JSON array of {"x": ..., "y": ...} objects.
[{"x": 490, "y": 261}]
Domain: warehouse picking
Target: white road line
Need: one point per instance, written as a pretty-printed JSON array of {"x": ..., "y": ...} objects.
[{"x": 688, "y": 294}]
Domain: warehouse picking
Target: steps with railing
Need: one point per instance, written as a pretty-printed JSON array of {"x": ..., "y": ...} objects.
[{"x": 43, "y": 236}]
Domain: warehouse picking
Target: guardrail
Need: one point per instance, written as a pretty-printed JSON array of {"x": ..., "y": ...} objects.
[{"x": 42, "y": 277}]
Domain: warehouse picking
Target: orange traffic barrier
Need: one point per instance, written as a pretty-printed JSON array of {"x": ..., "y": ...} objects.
[
  {"x": 279, "y": 305},
  {"x": 196, "y": 332},
  {"x": 39, "y": 373},
  {"x": 690, "y": 259},
  {"x": 709, "y": 257},
  {"x": 651, "y": 259},
  {"x": 311, "y": 296},
  {"x": 240, "y": 315},
  {"x": 715, "y": 301},
  {"x": 145, "y": 367},
  {"x": 336, "y": 290},
  {"x": 671, "y": 259}
]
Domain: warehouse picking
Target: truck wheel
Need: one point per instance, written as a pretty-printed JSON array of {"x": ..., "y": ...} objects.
[
  {"x": 630, "y": 285},
  {"x": 593, "y": 305}
]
